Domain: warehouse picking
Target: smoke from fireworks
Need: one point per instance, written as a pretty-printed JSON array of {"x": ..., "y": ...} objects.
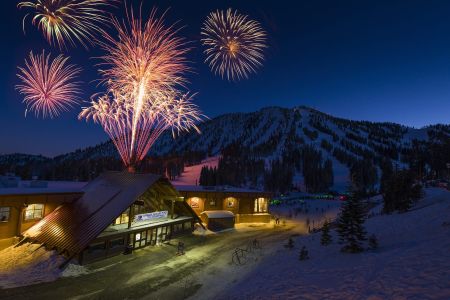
[
  {"x": 234, "y": 44},
  {"x": 144, "y": 68},
  {"x": 48, "y": 84},
  {"x": 64, "y": 21}
]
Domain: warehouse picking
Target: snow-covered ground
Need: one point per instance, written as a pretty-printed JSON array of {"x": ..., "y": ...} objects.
[
  {"x": 412, "y": 262},
  {"x": 30, "y": 264},
  {"x": 191, "y": 174}
]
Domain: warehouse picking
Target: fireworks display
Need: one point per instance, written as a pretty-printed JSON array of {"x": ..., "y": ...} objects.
[
  {"x": 48, "y": 85},
  {"x": 234, "y": 44},
  {"x": 143, "y": 71},
  {"x": 64, "y": 21}
]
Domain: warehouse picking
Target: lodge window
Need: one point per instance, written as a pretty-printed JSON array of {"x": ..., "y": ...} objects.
[
  {"x": 96, "y": 247},
  {"x": 122, "y": 219},
  {"x": 117, "y": 243},
  {"x": 231, "y": 202},
  {"x": 34, "y": 211},
  {"x": 4, "y": 214},
  {"x": 195, "y": 202},
  {"x": 260, "y": 205}
]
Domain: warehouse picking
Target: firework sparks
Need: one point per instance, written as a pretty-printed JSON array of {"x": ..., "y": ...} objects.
[
  {"x": 234, "y": 44},
  {"x": 144, "y": 68},
  {"x": 48, "y": 84},
  {"x": 63, "y": 21}
]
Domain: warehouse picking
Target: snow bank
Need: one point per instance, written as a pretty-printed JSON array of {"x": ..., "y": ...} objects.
[
  {"x": 30, "y": 264},
  {"x": 218, "y": 214}
]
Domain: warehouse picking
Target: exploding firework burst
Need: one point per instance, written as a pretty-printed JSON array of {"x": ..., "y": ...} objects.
[
  {"x": 63, "y": 21},
  {"x": 234, "y": 44},
  {"x": 143, "y": 71},
  {"x": 48, "y": 85}
]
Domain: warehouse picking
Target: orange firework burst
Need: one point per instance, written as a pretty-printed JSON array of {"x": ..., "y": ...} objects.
[
  {"x": 234, "y": 44},
  {"x": 48, "y": 85},
  {"x": 143, "y": 71},
  {"x": 68, "y": 20}
]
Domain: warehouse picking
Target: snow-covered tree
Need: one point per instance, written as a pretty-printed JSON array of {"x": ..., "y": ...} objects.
[{"x": 351, "y": 225}]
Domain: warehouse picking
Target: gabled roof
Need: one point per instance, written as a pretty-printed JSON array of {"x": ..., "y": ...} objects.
[{"x": 71, "y": 227}]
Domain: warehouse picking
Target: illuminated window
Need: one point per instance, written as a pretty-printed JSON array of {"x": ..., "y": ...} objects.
[
  {"x": 260, "y": 205},
  {"x": 212, "y": 202},
  {"x": 122, "y": 219},
  {"x": 4, "y": 214},
  {"x": 231, "y": 202},
  {"x": 195, "y": 202},
  {"x": 34, "y": 211}
]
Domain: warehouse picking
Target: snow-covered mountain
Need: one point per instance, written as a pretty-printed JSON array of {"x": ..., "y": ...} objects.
[
  {"x": 269, "y": 130},
  {"x": 273, "y": 132}
]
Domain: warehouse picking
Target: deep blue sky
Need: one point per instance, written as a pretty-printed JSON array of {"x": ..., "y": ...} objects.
[{"x": 365, "y": 60}]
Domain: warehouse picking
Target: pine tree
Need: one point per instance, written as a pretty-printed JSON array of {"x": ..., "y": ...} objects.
[
  {"x": 400, "y": 192},
  {"x": 303, "y": 254},
  {"x": 350, "y": 225},
  {"x": 373, "y": 242},
  {"x": 326, "y": 237}
]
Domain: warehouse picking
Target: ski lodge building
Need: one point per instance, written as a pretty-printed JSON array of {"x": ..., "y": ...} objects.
[{"x": 117, "y": 212}]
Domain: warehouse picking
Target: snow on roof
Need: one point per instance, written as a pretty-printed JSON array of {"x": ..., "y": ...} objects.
[
  {"x": 199, "y": 188},
  {"x": 26, "y": 187},
  {"x": 218, "y": 214}
]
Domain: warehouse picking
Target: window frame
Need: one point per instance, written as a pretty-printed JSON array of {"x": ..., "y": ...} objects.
[
  {"x": 4, "y": 209},
  {"x": 33, "y": 208},
  {"x": 258, "y": 208}
]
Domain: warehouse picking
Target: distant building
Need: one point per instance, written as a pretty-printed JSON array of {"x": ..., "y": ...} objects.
[{"x": 246, "y": 205}]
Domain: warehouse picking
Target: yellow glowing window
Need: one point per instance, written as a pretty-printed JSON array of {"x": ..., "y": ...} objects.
[
  {"x": 260, "y": 205},
  {"x": 231, "y": 202},
  {"x": 195, "y": 202},
  {"x": 122, "y": 219},
  {"x": 34, "y": 211}
]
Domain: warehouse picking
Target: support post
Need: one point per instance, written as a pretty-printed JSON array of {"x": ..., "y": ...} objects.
[
  {"x": 172, "y": 209},
  {"x": 130, "y": 215}
]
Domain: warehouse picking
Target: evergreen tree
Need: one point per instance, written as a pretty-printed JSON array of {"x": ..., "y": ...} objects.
[
  {"x": 401, "y": 192},
  {"x": 304, "y": 255},
  {"x": 351, "y": 225},
  {"x": 364, "y": 176},
  {"x": 326, "y": 237},
  {"x": 373, "y": 242},
  {"x": 386, "y": 173}
]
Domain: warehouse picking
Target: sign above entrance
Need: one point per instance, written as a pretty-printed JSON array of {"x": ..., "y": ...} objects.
[{"x": 151, "y": 216}]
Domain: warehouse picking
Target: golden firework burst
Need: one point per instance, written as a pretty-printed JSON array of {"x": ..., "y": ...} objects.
[
  {"x": 234, "y": 44},
  {"x": 65, "y": 21}
]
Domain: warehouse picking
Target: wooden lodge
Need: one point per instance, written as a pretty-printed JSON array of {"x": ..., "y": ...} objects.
[{"x": 117, "y": 212}]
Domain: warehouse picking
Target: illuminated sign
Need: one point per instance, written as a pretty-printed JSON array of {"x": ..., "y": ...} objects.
[{"x": 151, "y": 216}]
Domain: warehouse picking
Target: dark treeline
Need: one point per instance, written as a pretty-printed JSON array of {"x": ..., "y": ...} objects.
[
  {"x": 85, "y": 169},
  {"x": 236, "y": 167}
]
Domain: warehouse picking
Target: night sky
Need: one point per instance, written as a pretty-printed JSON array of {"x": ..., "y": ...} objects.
[{"x": 363, "y": 60}]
